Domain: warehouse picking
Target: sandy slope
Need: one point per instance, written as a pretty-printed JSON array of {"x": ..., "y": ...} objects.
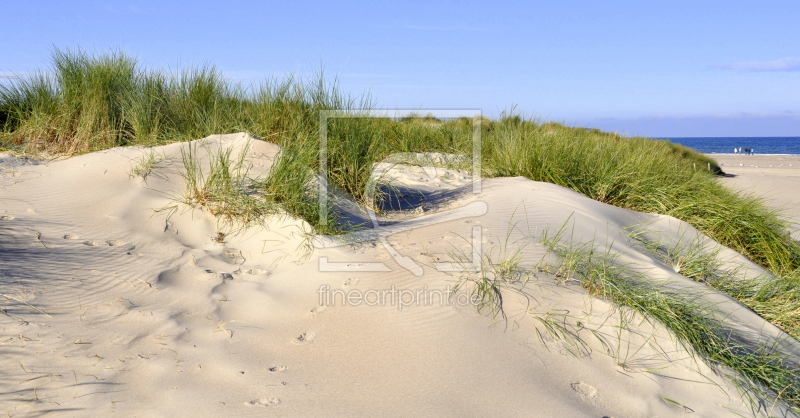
[{"x": 114, "y": 308}]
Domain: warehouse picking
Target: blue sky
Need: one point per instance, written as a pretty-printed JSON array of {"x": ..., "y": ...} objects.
[{"x": 653, "y": 68}]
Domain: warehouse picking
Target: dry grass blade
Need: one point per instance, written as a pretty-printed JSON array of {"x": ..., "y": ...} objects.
[{"x": 25, "y": 303}]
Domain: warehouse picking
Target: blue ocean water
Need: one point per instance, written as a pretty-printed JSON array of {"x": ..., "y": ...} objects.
[{"x": 725, "y": 145}]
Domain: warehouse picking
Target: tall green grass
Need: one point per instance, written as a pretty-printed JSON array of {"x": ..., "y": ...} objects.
[
  {"x": 85, "y": 102},
  {"x": 769, "y": 372},
  {"x": 646, "y": 176},
  {"x": 777, "y": 301}
]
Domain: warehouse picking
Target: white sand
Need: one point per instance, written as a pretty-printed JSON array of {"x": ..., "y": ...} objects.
[
  {"x": 148, "y": 316},
  {"x": 776, "y": 178}
]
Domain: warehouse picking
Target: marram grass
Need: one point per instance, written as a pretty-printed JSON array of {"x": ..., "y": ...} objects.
[{"x": 86, "y": 103}]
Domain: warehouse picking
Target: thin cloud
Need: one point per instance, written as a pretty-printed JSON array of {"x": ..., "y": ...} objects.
[
  {"x": 723, "y": 124},
  {"x": 720, "y": 116},
  {"x": 785, "y": 115},
  {"x": 785, "y": 64}
]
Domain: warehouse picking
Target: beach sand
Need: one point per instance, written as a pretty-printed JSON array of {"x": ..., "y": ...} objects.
[
  {"x": 118, "y": 300},
  {"x": 775, "y": 178}
]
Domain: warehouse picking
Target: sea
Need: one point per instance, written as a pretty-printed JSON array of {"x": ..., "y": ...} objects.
[{"x": 785, "y": 145}]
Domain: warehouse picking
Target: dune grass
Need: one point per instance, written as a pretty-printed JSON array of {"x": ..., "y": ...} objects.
[
  {"x": 91, "y": 102},
  {"x": 86, "y": 103},
  {"x": 764, "y": 372},
  {"x": 144, "y": 165},
  {"x": 775, "y": 299},
  {"x": 226, "y": 188},
  {"x": 767, "y": 372}
]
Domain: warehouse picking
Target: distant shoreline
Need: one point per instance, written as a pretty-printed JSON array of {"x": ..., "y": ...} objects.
[
  {"x": 751, "y": 155},
  {"x": 724, "y": 145},
  {"x": 727, "y": 137}
]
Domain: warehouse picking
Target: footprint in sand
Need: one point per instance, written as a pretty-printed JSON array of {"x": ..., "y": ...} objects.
[
  {"x": 71, "y": 236},
  {"x": 115, "y": 242},
  {"x": 316, "y": 311},
  {"x": 277, "y": 368},
  {"x": 304, "y": 338},
  {"x": 6, "y": 217},
  {"x": 91, "y": 243},
  {"x": 264, "y": 402},
  {"x": 587, "y": 392}
]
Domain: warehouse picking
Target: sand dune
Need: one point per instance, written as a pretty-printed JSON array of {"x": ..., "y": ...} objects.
[{"x": 114, "y": 305}]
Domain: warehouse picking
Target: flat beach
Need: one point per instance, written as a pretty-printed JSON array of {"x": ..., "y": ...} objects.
[
  {"x": 775, "y": 178},
  {"x": 119, "y": 301}
]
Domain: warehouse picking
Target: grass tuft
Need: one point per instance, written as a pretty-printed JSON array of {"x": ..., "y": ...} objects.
[
  {"x": 225, "y": 189},
  {"x": 144, "y": 165}
]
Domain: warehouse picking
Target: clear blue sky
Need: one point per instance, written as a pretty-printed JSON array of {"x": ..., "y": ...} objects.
[{"x": 655, "y": 68}]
